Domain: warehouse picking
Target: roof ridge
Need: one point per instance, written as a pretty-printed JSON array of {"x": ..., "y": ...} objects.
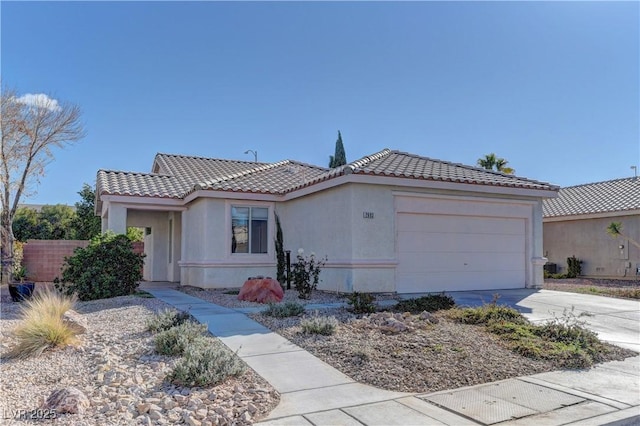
[
  {"x": 199, "y": 157},
  {"x": 354, "y": 165},
  {"x": 134, "y": 173},
  {"x": 631, "y": 178},
  {"x": 262, "y": 167}
]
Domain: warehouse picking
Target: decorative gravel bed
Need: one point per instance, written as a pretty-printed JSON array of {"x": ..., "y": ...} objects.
[
  {"x": 116, "y": 368},
  {"x": 601, "y": 287},
  {"x": 427, "y": 357},
  {"x": 229, "y": 297}
]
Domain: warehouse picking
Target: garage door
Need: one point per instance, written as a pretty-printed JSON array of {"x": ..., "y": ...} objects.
[{"x": 438, "y": 252}]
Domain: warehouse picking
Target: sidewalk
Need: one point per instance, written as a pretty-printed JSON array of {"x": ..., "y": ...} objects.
[{"x": 314, "y": 393}]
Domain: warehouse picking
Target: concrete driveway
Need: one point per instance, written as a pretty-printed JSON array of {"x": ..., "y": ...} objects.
[{"x": 616, "y": 321}]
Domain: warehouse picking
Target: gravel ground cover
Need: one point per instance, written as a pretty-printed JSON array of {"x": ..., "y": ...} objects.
[
  {"x": 426, "y": 357},
  {"x": 627, "y": 289},
  {"x": 116, "y": 368}
]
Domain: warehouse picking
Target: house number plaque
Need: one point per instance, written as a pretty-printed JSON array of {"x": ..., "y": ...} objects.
[{"x": 367, "y": 215}]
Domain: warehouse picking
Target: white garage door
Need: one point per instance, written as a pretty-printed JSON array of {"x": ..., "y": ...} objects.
[{"x": 438, "y": 252}]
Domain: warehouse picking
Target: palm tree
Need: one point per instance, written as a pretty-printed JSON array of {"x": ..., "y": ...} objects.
[
  {"x": 490, "y": 161},
  {"x": 615, "y": 230}
]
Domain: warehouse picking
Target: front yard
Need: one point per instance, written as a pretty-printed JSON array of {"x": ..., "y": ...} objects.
[{"x": 426, "y": 356}]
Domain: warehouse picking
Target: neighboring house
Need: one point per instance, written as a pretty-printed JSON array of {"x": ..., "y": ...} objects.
[
  {"x": 575, "y": 224},
  {"x": 388, "y": 222}
]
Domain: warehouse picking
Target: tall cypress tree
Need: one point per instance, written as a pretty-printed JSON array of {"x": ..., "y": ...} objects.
[{"x": 339, "y": 158}]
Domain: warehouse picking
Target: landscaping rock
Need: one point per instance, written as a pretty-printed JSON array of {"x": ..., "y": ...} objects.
[
  {"x": 69, "y": 400},
  {"x": 75, "y": 321},
  {"x": 261, "y": 290}
]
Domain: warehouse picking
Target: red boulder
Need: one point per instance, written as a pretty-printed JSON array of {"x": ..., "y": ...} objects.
[{"x": 261, "y": 290}]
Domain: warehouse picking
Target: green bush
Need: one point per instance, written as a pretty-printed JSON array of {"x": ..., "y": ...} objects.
[
  {"x": 362, "y": 303},
  {"x": 176, "y": 340},
  {"x": 574, "y": 267},
  {"x": 166, "y": 319},
  {"x": 287, "y": 309},
  {"x": 108, "y": 267},
  {"x": 206, "y": 362},
  {"x": 319, "y": 325},
  {"x": 430, "y": 303}
]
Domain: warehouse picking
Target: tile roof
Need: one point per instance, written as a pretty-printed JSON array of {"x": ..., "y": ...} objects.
[
  {"x": 600, "y": 197},
  {"x": 175, "y": 176}
]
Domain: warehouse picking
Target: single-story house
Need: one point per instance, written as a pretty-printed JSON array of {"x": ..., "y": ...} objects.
[
  {"x": 575, "y": 224},
  {"x": 388, "y": 222}
]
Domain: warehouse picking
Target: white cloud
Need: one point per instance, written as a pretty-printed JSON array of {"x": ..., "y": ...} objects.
[{"x": 39, "y": 100}]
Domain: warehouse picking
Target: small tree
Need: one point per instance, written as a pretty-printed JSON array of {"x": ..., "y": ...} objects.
[
  {"x": 86, "y": 224},
  {"x": 31, "y": 126},
  {"x": 340, "y": 157},
  {"x": 615, "y": 230},
  {"x": 281, "y": 261}
]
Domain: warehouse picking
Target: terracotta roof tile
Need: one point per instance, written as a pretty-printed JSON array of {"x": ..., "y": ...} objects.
[
  {"x": 600, "y": 197},
  {"x": 175, "y": 176}
]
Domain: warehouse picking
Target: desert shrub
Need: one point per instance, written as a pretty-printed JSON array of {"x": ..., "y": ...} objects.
[
  {"x": 306, "y": 273},
  {"x": 206, "y": 363},
  {"x": 565, "y": 340},
  {"x": 362, "y": 303},
  {"x": 41, "y": 326},
  {"x": 108, "y": 267},
  {"x": 429, "y": 303},
  {"x": 176, "y": 340},
  {"x": 317, "y": 324},
  {"x": 487, "y": 314},
  {"x": 574, "y": 267},
  {"x": 287, "y": 309},
  {"x": 166, "y": 319}
]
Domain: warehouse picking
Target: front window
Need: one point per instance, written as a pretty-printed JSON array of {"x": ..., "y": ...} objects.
[{"x": 249, "y": 229}]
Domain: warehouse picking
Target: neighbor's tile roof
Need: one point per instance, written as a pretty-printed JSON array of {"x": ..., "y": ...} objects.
[
  {"x": 175, "y": 176},
  {"x": 601, "y": 197}
]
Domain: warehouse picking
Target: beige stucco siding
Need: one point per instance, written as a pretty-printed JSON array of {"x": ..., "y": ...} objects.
[
  {"x": 207, "y": 260},
  {"x": 588, "y": 240}
]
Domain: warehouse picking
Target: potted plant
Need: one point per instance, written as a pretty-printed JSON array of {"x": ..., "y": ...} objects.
[{"x": 21, "y": 289}]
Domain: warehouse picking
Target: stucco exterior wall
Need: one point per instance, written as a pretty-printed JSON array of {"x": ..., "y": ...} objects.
[
  {"x": 588, "y": 240},
  {"x": 207, "y": 260},
  {"x": 331, "y": 223},
  {"x": 156, "y": 244}
]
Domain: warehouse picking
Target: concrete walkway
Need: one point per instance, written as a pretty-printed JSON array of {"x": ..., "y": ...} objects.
[{"x": 314, "y": 393}]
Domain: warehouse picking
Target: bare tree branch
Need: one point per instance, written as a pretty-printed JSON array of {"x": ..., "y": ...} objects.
[{"x": 31, "y": 126}]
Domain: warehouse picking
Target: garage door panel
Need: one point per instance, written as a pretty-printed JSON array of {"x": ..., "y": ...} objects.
[
  {"x": 437, "y": 242},
  {"x": 460, "y": 281},
  {"x": 463, "y": 262},
  {"x": 459, "y": 224},
  {"x": 438, "y": 252}
]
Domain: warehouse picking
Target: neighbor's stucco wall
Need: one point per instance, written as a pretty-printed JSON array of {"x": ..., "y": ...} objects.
[{"x": 588, "y": 240}]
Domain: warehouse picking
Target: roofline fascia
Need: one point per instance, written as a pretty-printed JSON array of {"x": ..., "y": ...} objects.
[
  {"x": 376, "y": 180},
  {"x": 231, "y": 195},
  {"x": 600, "y": 215},
  {"x": 141, "y": 203}
]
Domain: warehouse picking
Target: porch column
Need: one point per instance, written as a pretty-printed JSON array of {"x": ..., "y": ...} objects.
[
  {"x": 537, "y": 259},
  {"x": 117, "y": 219}
]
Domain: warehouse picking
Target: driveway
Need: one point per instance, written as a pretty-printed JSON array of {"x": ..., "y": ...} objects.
[{"x": 616, "y": 321}]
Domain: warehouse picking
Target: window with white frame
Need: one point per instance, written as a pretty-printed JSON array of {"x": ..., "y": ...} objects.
[{"x": 249, "y": 229}]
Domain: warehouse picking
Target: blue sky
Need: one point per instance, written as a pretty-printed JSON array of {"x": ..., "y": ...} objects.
[{"x": 552, "y": 87}]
